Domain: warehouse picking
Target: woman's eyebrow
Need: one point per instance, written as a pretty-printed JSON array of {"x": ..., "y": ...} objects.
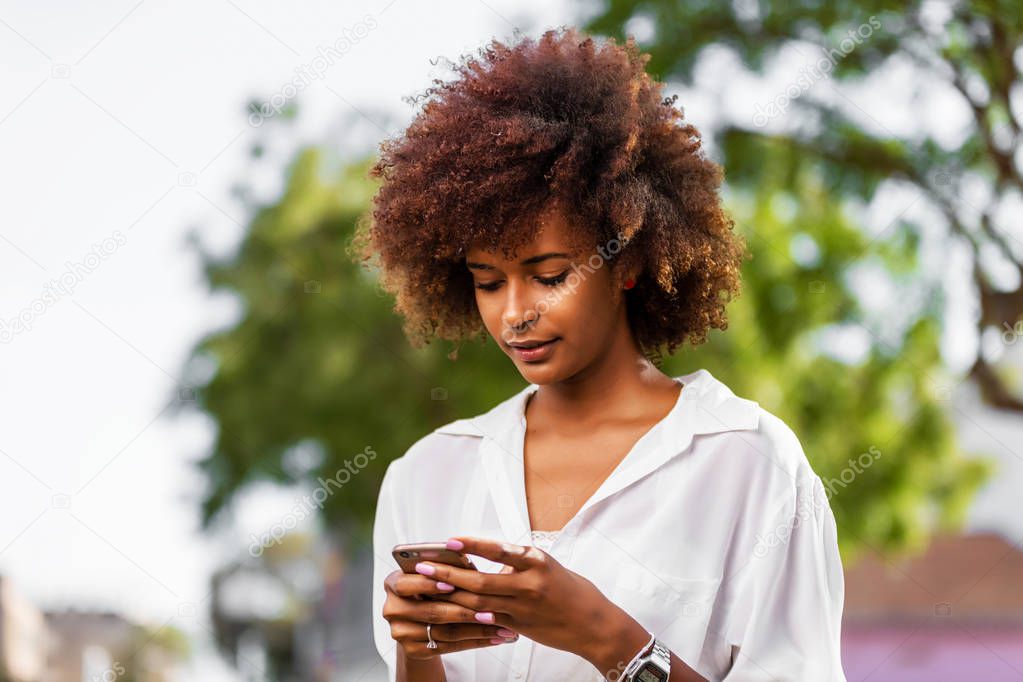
[
  {"x": 527, "y": 261},
  {"x": 543, "y": 257}
]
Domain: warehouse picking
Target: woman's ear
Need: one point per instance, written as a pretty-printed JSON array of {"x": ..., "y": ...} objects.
[
  {"x": 621, "y": 282},
  {"x": 629, "y": 278}
]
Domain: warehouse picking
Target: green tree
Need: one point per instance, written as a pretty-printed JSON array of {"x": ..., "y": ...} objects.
[
  {"x": 317, "y": 371},
  {"x": 793, "y": 186}
]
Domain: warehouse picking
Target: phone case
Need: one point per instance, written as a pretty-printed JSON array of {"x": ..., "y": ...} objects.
[{"x": 409, "y": 555}]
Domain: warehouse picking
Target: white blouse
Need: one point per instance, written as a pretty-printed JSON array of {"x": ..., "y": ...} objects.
[{"x": 713, "y": 532}]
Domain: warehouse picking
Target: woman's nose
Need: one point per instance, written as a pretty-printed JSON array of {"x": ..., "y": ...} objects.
[{"x": 519, "y": 313}]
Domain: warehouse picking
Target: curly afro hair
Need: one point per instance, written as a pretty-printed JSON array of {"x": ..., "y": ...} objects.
[{"x": 568, "y": 121}]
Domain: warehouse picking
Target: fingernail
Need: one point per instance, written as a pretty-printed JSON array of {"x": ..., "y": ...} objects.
[
  {"x": 505, "y": 632},
  {"x": 454, "y": 544},
  {"x": 485, "y": 617},
  {"x": 496, "y": 640},
  {"x": 444, "y": 586},
  {"x": 425, "y": 569}
]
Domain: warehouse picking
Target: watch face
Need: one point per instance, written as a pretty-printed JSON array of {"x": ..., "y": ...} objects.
[{"x": 650, "y": 673}]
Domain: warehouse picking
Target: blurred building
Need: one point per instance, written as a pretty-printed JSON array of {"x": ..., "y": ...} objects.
[
  {"x": 89, "y": 646},
  {"x": 953, "y": 613},
  {"x": 23, "y": 636},
  {"x": 79, "y": 646}
]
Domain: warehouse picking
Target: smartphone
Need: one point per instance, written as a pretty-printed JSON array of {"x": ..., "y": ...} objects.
[{"x": 409, "y": 555}]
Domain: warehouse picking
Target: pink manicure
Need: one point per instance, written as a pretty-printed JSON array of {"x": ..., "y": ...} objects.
[
  {"x": 485, "y": 617},
  {"x": 455, "y": 544},
  {"x": 425, "y": 569},
  {"x": 444, "y": 586}
]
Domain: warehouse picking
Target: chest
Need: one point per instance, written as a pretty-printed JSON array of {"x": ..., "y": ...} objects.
[{"x": 561, "y": 472}]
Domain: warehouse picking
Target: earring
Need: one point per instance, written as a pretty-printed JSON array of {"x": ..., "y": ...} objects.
[{"x": 629, "y": 283}]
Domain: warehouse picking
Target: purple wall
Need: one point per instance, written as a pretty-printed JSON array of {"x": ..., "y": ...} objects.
[{"x": 947, "y": 654}]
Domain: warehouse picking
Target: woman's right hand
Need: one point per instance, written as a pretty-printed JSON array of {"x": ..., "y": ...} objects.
[{"x": 454, "y": 627}]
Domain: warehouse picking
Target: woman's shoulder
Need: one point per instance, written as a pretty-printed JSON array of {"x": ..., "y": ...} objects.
[
  {"x": 776, "y": 441},
  {"x": 767, "y": 467},
  {"x": 751, "y": 436}
]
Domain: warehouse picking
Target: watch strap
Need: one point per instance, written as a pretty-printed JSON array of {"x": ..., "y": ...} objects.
[
  {"x": 654, "y": 652},
  {"x": 662, "y": 655}
]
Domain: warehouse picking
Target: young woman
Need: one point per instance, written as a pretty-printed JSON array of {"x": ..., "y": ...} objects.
[{"x": 626, "y": 524}]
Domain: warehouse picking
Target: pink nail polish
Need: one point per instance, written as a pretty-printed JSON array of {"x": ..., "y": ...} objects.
[
  {"x": 444, "y": 586},
  {"x": 425, "y": 569},
  {"x": 496, "y": 640},
  {"x": 485, "y": 617},
  {"x": 505, "y": 632},
  {"x": 455, "y": 544}
]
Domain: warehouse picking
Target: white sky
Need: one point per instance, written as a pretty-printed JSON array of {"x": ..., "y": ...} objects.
[{"x": 123, "y": 121}]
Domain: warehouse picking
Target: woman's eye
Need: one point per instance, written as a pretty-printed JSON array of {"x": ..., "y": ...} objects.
[
  {"x": 547, "y": 281},
  {"x": 553, "y": 281}
]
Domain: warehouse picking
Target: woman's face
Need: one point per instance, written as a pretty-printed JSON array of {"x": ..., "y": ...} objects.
[{"x": 538, "y": 296}]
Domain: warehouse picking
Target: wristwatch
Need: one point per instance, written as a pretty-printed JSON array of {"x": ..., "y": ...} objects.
[{"x": 652, "y": 664}]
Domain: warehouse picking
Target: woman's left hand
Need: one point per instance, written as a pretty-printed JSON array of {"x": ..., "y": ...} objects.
[{"x": 533, "y": 595}]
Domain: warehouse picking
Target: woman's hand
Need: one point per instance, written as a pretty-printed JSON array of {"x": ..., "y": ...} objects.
[
  {"x": 453, "y": 626},
  {"x": 536, "y": 596}
]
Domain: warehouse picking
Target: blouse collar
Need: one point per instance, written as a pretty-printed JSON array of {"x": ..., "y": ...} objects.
[{"x": 705, "y": 406}]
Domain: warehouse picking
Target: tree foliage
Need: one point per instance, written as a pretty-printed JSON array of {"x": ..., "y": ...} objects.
[
  {"x": 316, "y": 380},
  {"x": 801, "y": 191}
]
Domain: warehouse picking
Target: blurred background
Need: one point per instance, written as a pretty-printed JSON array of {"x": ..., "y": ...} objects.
[{"x": 198, "y": 387}]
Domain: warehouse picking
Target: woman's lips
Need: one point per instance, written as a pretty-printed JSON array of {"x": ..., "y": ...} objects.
[{"x": 541, "y": 352}]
